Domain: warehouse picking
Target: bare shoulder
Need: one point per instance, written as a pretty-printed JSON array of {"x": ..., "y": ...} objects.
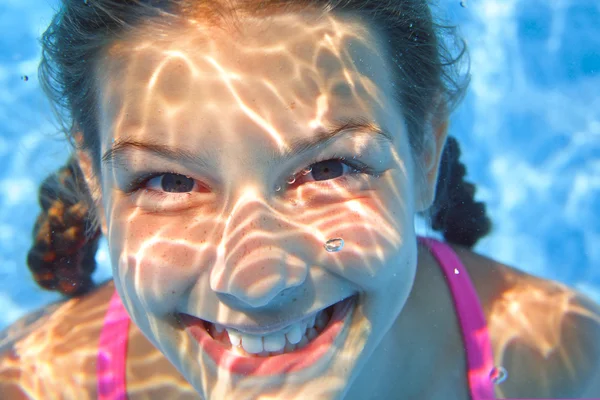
[
  {"x": 545, "y": 334},
  {"x": 51, "y": 353}
]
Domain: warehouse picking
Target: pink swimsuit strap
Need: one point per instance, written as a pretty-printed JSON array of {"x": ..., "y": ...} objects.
[
  {"x": 480, "y": 361},
  {"x": 110, "y": 366}
]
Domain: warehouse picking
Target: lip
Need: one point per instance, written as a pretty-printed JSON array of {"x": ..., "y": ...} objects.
[{"x": 273, "y": 365}]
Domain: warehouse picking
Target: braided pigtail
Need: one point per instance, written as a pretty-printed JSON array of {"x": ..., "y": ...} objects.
[
  {"x": 65, "y": 236},
  {"x": 455, "y": 213}
]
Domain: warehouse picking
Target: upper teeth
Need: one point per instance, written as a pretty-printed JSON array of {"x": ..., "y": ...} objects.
[{"x": 275, "y": 341}]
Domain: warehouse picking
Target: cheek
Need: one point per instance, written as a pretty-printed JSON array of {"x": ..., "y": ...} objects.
[
  {"x": 378, "y": 240},
  {"x": 157, "y": 261}
]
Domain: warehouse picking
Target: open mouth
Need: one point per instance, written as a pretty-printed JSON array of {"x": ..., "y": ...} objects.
[
  {"x": 287, "y": 340},
  {"x": 295, "y": 347}
]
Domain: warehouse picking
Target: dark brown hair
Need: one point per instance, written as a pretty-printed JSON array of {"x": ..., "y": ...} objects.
[{"x": 423, "y": 67}]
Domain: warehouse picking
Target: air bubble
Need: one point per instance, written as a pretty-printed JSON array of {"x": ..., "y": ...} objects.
[
  {"x": 291, "y": 180},
  {"x": 25, "y": 78},
  {"x": 306, "y": 171},
  {"x": 498, "y": 375},
  {"x": 463, "y": 3},
  {"x": 456, "y": 271},
  {"x": 277, "y": 188},
  {"x": 334, "y": 245}
]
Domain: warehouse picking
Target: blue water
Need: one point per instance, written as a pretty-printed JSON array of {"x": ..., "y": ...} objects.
[{"x": 529, "y": 130}]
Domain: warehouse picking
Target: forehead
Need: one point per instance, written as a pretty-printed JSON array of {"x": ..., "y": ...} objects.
[{"x": 290, "y": 71}]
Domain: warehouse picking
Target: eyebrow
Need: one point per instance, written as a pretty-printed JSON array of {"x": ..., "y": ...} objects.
[
  {"x": 297, "y": 147},
  {"x": 337, "y": 128}
]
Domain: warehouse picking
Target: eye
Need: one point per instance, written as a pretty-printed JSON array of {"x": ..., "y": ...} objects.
[
  {"x": 172, "y": 183},
  {"x": 329, "y": 169},
  {"x": 337, "y": 169}
]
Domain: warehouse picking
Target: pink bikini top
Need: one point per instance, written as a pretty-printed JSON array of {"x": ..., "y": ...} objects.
[{"x": 113, "y": 338}]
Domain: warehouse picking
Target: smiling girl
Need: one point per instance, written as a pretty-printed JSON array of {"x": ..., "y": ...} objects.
[{"x": 256, "y": 168}]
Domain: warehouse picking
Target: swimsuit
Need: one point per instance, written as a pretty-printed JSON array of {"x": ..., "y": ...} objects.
[
  {"x": 113, "y": 338},
  {"x": 476, "y": 338}
]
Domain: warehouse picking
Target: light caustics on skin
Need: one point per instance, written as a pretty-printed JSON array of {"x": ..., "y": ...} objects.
[
  {"x": 534, "y": 317},
  {"x": 54, "y": 358},
  {"x": 234, "y": 250}
]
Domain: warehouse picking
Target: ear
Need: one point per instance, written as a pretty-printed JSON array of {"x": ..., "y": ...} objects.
[
  {"x": 92, "y": 181},
  {"x": 429, "y": 162}
]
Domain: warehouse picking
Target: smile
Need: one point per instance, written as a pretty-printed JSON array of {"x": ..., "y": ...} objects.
[
  {"x": 290, "y": 349},
  {"x": 294, "y": 336}
]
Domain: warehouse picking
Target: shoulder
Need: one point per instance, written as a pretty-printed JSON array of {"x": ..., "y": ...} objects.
[
  {"x": 545, "y": 334},
  {"x": 51, "y": 353}
]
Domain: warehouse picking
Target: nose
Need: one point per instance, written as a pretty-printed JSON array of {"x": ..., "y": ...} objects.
[{"x": 257, "y": 256}]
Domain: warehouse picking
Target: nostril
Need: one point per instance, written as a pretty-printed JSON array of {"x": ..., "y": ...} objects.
[
  {"x": 269, "y": 292},
  {"x": 235, "y": 302},
  {"x": 251, "y": 299},
  {"x": 256, "y": 274}
]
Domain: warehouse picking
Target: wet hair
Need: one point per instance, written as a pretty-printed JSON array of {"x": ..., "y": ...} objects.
[
  {"x": 62, "y": 257},
  {"x": 424, "y": 73}
]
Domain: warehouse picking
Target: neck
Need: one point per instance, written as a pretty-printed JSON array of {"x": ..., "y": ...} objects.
[{"x": 410, "y": 353}]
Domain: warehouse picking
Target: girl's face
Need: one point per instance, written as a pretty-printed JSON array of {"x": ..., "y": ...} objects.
[{"x": 253, "y": 180}]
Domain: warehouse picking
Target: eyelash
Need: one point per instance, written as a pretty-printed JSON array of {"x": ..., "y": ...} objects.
[{"x": 358, "y": 168}]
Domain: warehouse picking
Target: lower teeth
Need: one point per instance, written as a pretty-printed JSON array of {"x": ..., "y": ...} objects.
[{"x": 309, "y": 336}]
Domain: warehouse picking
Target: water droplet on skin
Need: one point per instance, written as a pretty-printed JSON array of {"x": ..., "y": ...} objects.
[
  {"x": 306, "y": 171},
  {"x": 277, "y": 188},
  {"x": 333, "y": 245},
  {"x": 291, "y": 180},
  {"x": 498, "y": 375}
]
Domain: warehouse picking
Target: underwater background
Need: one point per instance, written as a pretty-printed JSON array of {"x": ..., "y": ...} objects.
[{"x": 529, "y": 130}]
